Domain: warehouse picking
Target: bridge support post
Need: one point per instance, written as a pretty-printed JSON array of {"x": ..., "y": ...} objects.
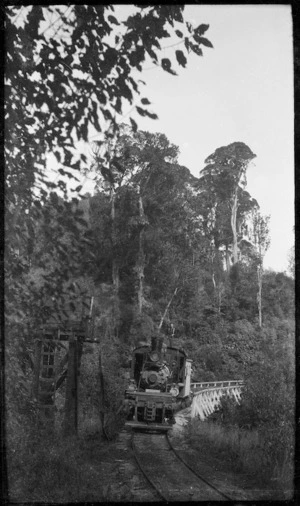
[{"x": 207, "y": 398}]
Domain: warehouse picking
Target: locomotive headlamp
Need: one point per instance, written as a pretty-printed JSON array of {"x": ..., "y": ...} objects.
[
  {"x": 132, "y": 385},
  {"x": 174, "y": 391},
  {"x": 154, "y": 356}
]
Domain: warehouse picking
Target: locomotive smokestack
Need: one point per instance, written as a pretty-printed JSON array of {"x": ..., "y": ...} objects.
[
  {"x": 160, "y": 341},
  {"x": 157, "y": 343},
  {"x": 153, "y": 343}
]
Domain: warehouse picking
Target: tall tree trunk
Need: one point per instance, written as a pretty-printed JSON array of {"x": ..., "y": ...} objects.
[
  {"x": 167, "y": 308},
  {"x": 214, "y": 281},
  {"x": 234, "y": 209},
  {"x": 261, "y": 239},
  {"x": 259, "y": 278},
  {"x": 115, "y": 262},
  {"x": 212, "y": 257},
  {"x": 140, "y": 267},
  {"x": 233, "y": 227},
  {"x": 227, "y": 253},
  {"x": 140, "y": 273}
]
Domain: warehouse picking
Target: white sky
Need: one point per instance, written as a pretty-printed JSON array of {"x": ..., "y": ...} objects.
[{"x": 242, "y": 90}]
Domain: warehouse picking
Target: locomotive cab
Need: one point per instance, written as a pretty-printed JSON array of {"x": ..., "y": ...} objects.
[{"x": 159, "y": 386}]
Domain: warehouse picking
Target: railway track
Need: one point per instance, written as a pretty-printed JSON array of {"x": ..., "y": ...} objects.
[{"x": 168, "y": 474}]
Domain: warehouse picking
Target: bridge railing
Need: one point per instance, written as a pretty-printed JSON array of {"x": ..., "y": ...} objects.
[{"x": 215, "y": 384}]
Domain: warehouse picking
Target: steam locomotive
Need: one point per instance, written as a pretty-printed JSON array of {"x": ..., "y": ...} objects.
[{"x": 159, "y": 386}]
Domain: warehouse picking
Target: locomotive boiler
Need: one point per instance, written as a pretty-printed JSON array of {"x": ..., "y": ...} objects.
[{"x": 159, "y": 386}]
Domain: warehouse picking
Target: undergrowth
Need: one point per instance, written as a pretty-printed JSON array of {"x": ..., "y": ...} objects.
[
  {"x": 255, "y": 452},
  {"x": 50, "y": 468},
  {"x": 45, "y": 466}
]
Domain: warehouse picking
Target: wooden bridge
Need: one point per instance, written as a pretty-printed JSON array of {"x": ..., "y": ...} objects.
[{"x": 207, "y": 396}]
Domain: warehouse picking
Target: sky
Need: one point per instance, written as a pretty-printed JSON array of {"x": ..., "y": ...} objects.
[{"x": 241, "y": 90}]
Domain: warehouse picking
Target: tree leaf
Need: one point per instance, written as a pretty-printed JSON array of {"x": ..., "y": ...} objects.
[
  {"x": 133, "y": 124},
  {"x": 205, "y": 42},
  {"x": 187, "y": 43},
  {"x": 145, "y": 101},
  {"x": 189, "y": 26},
  {"x": 201, "y": 29},
  {"x": 181, "y": 58},
  {"x": 113, "y": 20},
  {"x": 151, "y": 115},
  {"x": 140, "y": 111},
  {"x": 196, "y": 49},
  {"x": 166, "y": 65}
]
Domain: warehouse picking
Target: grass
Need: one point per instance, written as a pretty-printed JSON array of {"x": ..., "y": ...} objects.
[
  {"x": 46, "y": 467},
  {"x": 245, "y": 451},
  {"x": 57, "y": 470}
]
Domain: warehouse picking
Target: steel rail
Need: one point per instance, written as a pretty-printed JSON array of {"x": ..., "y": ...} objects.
[
  {"x": 195, "y": 472},
  {"x": 135, "y": 453},
  {"x": 166, "y": 497}
]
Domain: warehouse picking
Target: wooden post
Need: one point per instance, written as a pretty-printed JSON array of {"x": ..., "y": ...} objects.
[{"x": 71, "y": 404}]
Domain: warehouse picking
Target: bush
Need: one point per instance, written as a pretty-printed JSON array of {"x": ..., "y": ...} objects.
[
  {"x": 259, "y": 453},
  {"x": 259, "y": 432},
  {"x": 49, "y": 468}
]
